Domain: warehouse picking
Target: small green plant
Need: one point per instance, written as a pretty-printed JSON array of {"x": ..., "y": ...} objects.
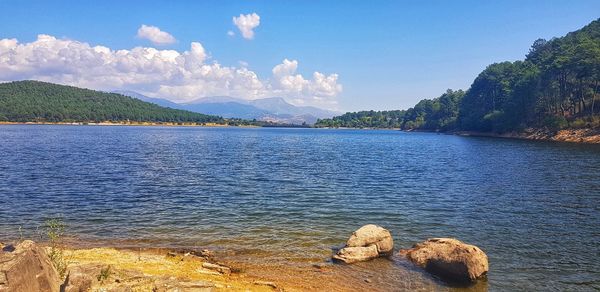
[
  {"x": 555, "y": 123},
  {"x": 104, "y": 274},
  {"x": 55, "y": 229},
  {"x": 579, "y": 124}
]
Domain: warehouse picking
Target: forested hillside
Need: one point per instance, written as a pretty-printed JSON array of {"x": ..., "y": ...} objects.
[
  {"x": 556, "y": 86},
  {"x": 27, "y": 101},
  {"x": 365, "y": 119}
]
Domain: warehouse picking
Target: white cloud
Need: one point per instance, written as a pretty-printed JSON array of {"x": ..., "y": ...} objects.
[
  {"x": 178, "y": 76},
  {"x": 155, "y": 35},
  {"x": 320, "y": 89},
  {"x": 246, "y": 24},
  {"x": 230, "y": 33}
]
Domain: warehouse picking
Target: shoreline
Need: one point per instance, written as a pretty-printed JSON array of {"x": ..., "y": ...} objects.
[
  {"x": 145, "y": 268},
  {"x": 150, "y": 269},
  {"x": 581, "y": 136},
  {"x": 140, "y": 124},
  {"x": 100, "y": 267}
]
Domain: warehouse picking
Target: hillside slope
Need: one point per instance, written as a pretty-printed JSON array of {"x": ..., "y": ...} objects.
[
  {"x": 35, "y": 101},
  {"x": 556, "y": 86}
]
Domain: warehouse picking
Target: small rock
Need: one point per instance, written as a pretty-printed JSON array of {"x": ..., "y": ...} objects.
[
  {"x": 196, "y": 285},
  {"x": 171, "y": 254},
  {"x": 449, "y": 258},
  {"x": 3, "y": 279},
  {"x": 219, "y": 268},
  {"x": 322, "y": 267},
  {"x": 206, "y": 253},
  {"x": 368, "y": 280},
  {"x": 8, "y": 248},
  {"x": 78, "y": 279},
  {"x": 356, "y": 254},
  {"x": 265, "y": 283},
  {"x": 319, "y": 266}
]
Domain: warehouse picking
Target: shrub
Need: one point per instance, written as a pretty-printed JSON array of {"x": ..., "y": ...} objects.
[
  {"x": 55, "y": 229},
  {"x": 578, "y": 124},
  {"x": 555, "y": 123}
]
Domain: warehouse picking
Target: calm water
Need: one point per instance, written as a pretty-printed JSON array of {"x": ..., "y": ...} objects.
[{"x": 291, "y": 195}]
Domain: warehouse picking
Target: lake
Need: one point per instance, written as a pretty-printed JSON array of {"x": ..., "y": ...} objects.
[{"x": 288, "y": 197}]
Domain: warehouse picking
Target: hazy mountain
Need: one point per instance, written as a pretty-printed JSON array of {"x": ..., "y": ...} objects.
[
  {"x": 158, "y": 101},
  {"x": 229, "y": 109},
  {"x": 278, "y": 105},
  {"x": 274, "y": 109}
]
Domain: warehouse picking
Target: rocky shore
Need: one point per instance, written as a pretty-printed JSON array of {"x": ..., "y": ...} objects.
[
  {"x": 27, "y": 266},
  {"x": 447, "y": 258},
  {"x": 587, "y": 135}
]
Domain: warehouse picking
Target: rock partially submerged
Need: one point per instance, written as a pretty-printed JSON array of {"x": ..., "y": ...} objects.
[
  {"x": 450, "y": 259},
  {"x": 368, "y": 242},
  {"x": 26, "y": 267}
]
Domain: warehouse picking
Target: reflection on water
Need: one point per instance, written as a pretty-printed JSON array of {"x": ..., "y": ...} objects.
[{"x": 288, "y": 196}]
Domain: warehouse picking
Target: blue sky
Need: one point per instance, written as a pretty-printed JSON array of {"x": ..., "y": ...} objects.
[{"x": 386, "y": 54}]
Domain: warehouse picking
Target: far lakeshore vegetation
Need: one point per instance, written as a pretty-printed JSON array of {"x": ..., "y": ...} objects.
[
  {"x": 557, "y": 86},
  {"x": 43, "y": 102},
  {"x": 25, "y": 101}
]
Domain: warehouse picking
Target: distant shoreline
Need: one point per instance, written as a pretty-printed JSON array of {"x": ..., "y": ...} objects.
[
  {"x": 584, "y": 136},
  {"x": 150, "y": 124}
]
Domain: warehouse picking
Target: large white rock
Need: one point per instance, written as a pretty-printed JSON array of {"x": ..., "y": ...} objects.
[
  {"x": 368, "y": 242},
  {"x": 372, "y": 234}
]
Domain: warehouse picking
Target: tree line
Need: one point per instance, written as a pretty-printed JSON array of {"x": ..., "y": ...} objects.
[
  {"x": 35, "y": 101},
  {"x": 556, "y": 86}
]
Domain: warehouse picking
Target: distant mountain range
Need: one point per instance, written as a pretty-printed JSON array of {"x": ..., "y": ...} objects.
[{"x": 273, "y": 109}]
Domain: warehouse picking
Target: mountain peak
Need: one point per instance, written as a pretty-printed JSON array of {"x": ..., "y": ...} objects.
[{"x": 269, "y": 109}]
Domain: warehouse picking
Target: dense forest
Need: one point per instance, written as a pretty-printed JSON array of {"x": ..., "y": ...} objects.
[
  {"x": 365, "y": 119},
  {"x": 27, "y": 101},
  {"x": 556, "y": 86}
]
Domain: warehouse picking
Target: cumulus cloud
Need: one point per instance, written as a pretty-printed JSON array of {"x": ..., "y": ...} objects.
[
  {"x": 246, "y": 24},
  {"x": 317, "y": 90},
  {"x": 178, "y": 76},
  {"x": 155, "y": 35}
]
